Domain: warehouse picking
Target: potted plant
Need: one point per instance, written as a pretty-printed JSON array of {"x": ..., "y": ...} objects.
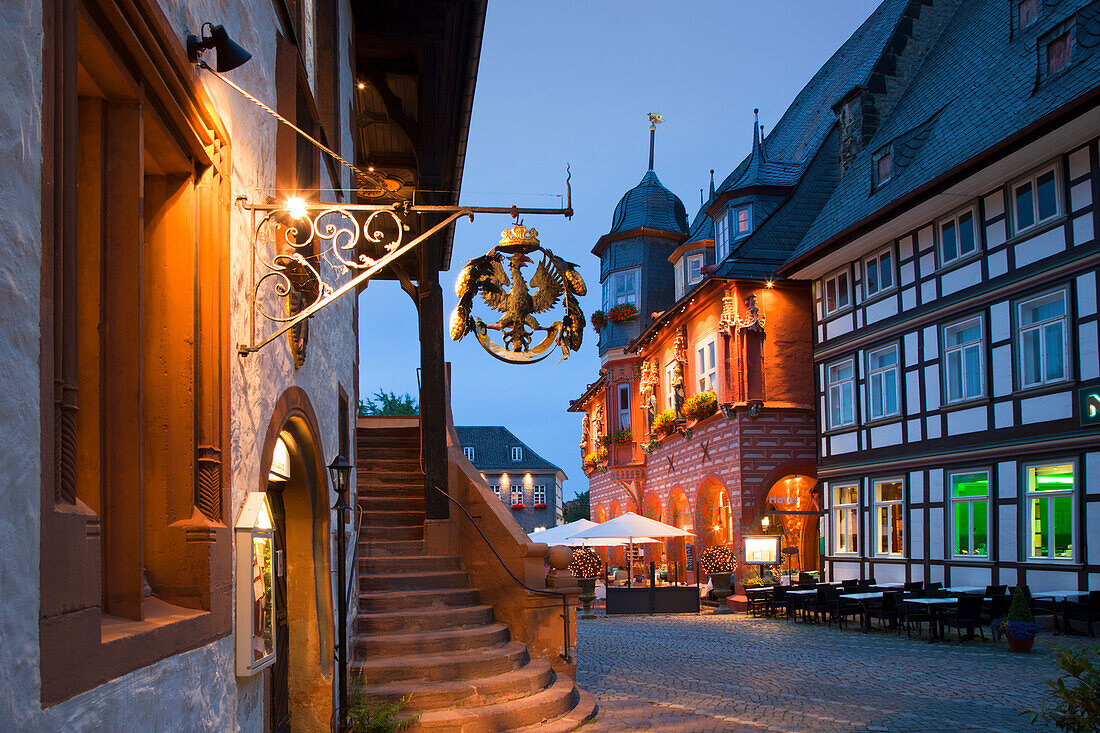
[
  {"x": 719, "y": 563},
  {"x": 664, "y": 423},
  {"x": 519, "y": 506},
  {"x": 1018, "y": 626},
  {"x": 607, "y": 440},
  {"x": 585, "y": 566},
  {"x": 601, "y": 455},
  {"x": 622, "y": 313},
  {"x": 623, "y": 436},
  {"x": 539, "y": 505},
  {"x": 599, "y": 320},
  {"x": 701, "y": 406}
]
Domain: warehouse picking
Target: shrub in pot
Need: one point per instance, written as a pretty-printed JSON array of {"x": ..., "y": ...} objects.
[
  {"x": 1018, "y": 625},
  {"x": 719, "y": 563},
  {"x": 585, "y": 566}
]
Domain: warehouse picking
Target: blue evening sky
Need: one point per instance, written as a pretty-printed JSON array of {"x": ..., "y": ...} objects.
[{"x": 572, "y": 82}]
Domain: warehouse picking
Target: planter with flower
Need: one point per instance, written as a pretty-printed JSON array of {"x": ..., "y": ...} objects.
[
  {"x": 701, "y": 406},
  {"x": 595, "y": 459},
  {"x": 664, "y": 424},
  {"x": 623, "y": 436},
  {"x": 719, "y": 563},
  {"x": 519, "y": 506},
  {"x": 622, "y": 313},
  {"x": 1018, "y": 625},
  {"x": 539, "y": 505},
  {"x": 607, "y": 440},
  {"x": 585, "y": 566},
  {"x": 599, "y": 320}
]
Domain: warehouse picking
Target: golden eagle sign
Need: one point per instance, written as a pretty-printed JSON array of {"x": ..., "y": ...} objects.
[{"x": 498, "y": 276}]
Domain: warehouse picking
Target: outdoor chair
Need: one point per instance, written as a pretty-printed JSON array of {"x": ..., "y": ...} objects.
[
  {"x": 777, "y": 601},
  {"x": 872, "y": 581},
  {"x": 1042, "y": 608},
  {"x": 758, "y": 602},
  {"x": 933, "y": 586},
  {"x": 997, "y": 608},
  {"x": 996, "y": 590},
  {"x": 1087, "y": 610},
  {"x": 967, "y": 615},
  {"x": 842, "y": 608},
  {"x": 818, "y": 605},
  {"x": 913, "y": 586},
  {"x": 912, "y": 614},
  {"x": 849, "y": 583},
  {"x": 885, "y": 610}
]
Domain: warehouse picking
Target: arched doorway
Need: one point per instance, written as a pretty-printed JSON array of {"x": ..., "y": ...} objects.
[
  {"x": 679, "y": 515},
  {"x": 792, "y": 510},
  {"x": 715, "y": 516},
  {"x": 651, "y": 508},
  {"x": 300, "y": 683}
]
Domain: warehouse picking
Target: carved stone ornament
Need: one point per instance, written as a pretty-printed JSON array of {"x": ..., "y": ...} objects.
[
  {"x": 728, "y": 320},
  {"x": 597, "y": 423},
  {"x": 754, "y": 321},
  {"x": 649, "y": 382},
  {"x": 585, "y": 434},
  {"x": 507, "y": 293}
]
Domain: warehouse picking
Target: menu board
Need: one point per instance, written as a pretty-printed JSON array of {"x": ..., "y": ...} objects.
[
  {"x": 690, "y": 557},
  {"x": 263, "y": 617},
  {"x": 762, "y": 549}
]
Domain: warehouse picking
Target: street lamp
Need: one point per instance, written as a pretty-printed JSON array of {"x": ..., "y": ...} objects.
[{"x": 340, "y": 473}]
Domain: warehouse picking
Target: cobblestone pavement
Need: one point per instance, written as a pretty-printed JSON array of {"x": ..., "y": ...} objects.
[{"x": 737, "y": 673}]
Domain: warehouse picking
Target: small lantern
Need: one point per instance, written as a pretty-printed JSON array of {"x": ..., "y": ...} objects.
[
  {"x": 256, "y": 556},
  {"x": 764, "y": 522},
  {"x": 340, "y": 473}
]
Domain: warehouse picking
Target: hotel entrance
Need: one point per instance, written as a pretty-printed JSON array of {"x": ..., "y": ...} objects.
[{"x": 792, "y": 510}]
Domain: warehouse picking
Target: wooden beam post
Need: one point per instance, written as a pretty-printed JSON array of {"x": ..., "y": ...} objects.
[{"x": 433, "y": 389}]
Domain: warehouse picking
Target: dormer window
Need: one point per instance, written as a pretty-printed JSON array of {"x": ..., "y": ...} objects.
[
  {"x": 1027, "y": 12},
  {"x": 469, "y": 453},
  {"x": 517, "y": 453},
  {"x": 678, "y": 274},
  {"x": 620, "y": 288},
  {"x": 1059, "y": 52},
  {"x": 722, "y": 236},
  {"x": 884, "y": 165},
  {"x": 742, "y": 221},
  {"x": 694, "y": 268}
]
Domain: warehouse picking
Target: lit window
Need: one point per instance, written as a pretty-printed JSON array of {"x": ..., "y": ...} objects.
[
  {"x": 879, "y": 273},
  {"x": 845, "y": 519},
  {"x": 882, "y": 382},
  {"x": 678, "y": 274},
  {"x": 889, "y": 517},
  {"x": 958, "y": 237},
  {"x": 517, "y": 453},
  {"x": 694, "y": 268},
  {"x": 970, "y": 514},
  {"x": 837, "y": 295},
  {"x": 538, "y": 495},
  {"x": 517, "y": 493},
  {"x": 670, "y": 388},
  {"x": 722, "y": 236},
  {"x": 706, "y": 363},
  {"x": 1051, "y": 520},
  {"x": 962, "y": 358},
  {"x": 624, "y": 407},
  {"x": 1059, "y": 52},
  {"x": 496, "y": 489},
  {"x": 742, "y": 217},
  {"x": 884, "y": 165},
  {"x": 1027, "y": 11},
  {"x": 469, "y": 453},
  {"x": 1043, "y": 339},
  {"x": 1036, "y": 199},
  {"x": 842, "y": 381}
]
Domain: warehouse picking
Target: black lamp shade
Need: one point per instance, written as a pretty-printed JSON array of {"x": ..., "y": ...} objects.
[
  {"x": 229, "y": 53},
  {"x": 339, "y": 472}
]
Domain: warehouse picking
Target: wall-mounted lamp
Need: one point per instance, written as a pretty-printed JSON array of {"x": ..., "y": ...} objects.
[
  {"x": 765, "y": 522},
  {"x": 229, "y": 53}
]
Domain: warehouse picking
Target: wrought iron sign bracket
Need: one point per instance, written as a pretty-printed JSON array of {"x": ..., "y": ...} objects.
[{"x": 317, "y": 245}]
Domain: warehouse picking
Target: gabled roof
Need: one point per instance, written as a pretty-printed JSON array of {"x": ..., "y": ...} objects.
[
  {"x": 493, "y": 445},
  {"x": 759, "y": 171},
  {"x": 702, "y": 228},
  {"x": 650, "y": 205},
  {"x": 978, "y": 85},
  {"x": 578, "y": 405}
]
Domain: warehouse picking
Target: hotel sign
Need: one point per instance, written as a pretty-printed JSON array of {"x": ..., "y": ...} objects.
[
  {"x": 762, "y": 549},
  {"x": 1088, "y": 404}
]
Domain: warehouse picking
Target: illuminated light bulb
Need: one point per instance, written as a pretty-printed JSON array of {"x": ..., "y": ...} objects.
[
  {"x": 361, "y": 85},
  {"x": 296, "y": 207},
  {"x": 764, "y": 522}
]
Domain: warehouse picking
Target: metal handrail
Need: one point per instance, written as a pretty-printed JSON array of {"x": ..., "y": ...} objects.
[{"x": 539, "y": 591}]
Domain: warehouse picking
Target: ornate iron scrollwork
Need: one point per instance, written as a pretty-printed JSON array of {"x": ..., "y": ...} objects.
[{"x": 554, "y": 279}]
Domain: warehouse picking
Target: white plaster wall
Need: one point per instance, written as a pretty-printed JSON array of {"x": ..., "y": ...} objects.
[
  {"x": 969, "y": 576},
  {"x": 196, "y": 690}
]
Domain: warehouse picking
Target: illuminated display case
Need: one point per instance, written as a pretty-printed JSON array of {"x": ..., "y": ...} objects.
[
  {"x": 255, "y": 628},
  {"x": 761, "y": 549}
]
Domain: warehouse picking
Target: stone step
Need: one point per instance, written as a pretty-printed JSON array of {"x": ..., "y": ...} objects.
[
  {"x": 421, "y": 580},
  {"x": 444, "y": 667},
  {"x": 368, "y": 646},
  {"x": 393, "y": 482},
  {"x": 392, "y": 433},
  {"x": 417, "y": 601},
  {"x": 546, "y": 705},
  {"x": 390, "y": 464},
  {"x": 390, "y": 548},
  {"x": 411, "y": 502},
  {"x": 583, "y": 712},
  {"x": 424, "y": 696},
  {"x": 408, "y": 564},
  {"x": 375, "y": 517},
  {"x": 417, "y": 620},
  {"x": 397, "y": 534}
]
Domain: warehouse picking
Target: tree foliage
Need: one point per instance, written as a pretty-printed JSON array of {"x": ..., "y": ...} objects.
[
  {"x": 389, "y": 403},
  {"x": 576, "y": 508},
  {"x": 1073, "y": 707}
]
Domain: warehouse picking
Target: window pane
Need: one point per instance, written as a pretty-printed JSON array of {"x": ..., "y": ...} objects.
[
  {"x": 1048, "y": 198},
  {"x": 841, "y": 372},
  {"x": 950, "y": 244},
  {"x": 842, "y": 290},
  {"x": 883, "y": 529},
  {"x": 1043, "y": 309},
  {"x": 969, "y": 484},
  {"x": 845, "y": 494},
  {"x": 964, "y": 333},
  {"x": 891, "y": 387},
  {"x": 876, "y": 395},
  {"x": 1031, "y": 356},
  {"x": 962, "y": 528},
  {"x": 979, "y": 516},
  {"x": 1025, "y": 210},
  {"x": 1050, "y": 478},
  {"x": 711, "y": 354},
  {"x": 1053, "y": 338},
  {"x": 1063, "y": 525},
  {"x": 896, "y": 528},
  {"x": 830, "y": 295},
  {"x": 973, "y": 371},
  {"x": 848, "y": 413},
  {"x": 1038, "y": 527},
  {"x": 1028, "y": 12},
  {"x": 886, "y": 270},
  {"x": 888, "y": 491},
  {"x": 966, "y": 234},
  {"x": 954, "y": 376},
  {"x": 1058, "y": 53},
  {"x": 872, "y": 277}
]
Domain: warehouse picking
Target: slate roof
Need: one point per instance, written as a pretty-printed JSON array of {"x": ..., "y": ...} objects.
[
  {"x": 702, "y": 227},
  {"x": 650, "y": 205},
  {"x": 978, "y": 85},
  {"x": 492, "y": 446},
  {"x": 760, "y": 171}
]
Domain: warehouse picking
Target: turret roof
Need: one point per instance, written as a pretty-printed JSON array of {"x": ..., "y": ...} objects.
[{"x": 652, "y": 206}]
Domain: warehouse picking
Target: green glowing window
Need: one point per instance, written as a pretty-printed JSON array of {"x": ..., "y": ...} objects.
[
  {"x": 1050, "y": 511},
  {"x": 970, "y": 514},
  {"x": 889, "y": 517}
]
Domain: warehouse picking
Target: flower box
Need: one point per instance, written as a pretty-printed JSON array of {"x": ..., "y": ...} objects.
[
  {"x": 622, "y": 313},
  {"x": 539, "y": 505},
  {"x": 623, "y": 437},
  {"x": 664, "y": 423},
  {"x": 701, "y": 406},
  {"x": 519, "y": 506},
  {"x": 599, "y": 320}
]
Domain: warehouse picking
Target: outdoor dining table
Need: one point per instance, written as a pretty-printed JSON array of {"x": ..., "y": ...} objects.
[
  {"x": 862, "y": 598},
  {"x": 888, "y": 585},
  {"x": 965, "y": 589},
  {"x": 935, "y": 609},
  {"x": 1060, "y": 595}
]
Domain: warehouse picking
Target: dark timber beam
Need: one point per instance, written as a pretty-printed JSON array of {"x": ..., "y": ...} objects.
[{"x": 433, "y": 392}]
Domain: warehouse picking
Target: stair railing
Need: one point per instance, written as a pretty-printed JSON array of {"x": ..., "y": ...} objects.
[{"x": 539, "y": 591}]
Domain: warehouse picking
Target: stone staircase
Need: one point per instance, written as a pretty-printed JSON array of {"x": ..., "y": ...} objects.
[{"x": 421, "y": 632}]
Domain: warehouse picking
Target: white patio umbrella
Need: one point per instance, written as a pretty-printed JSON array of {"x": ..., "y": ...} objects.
[
  {"x": 633, "y": 527},
  {"x": 565, "y": 534}
]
